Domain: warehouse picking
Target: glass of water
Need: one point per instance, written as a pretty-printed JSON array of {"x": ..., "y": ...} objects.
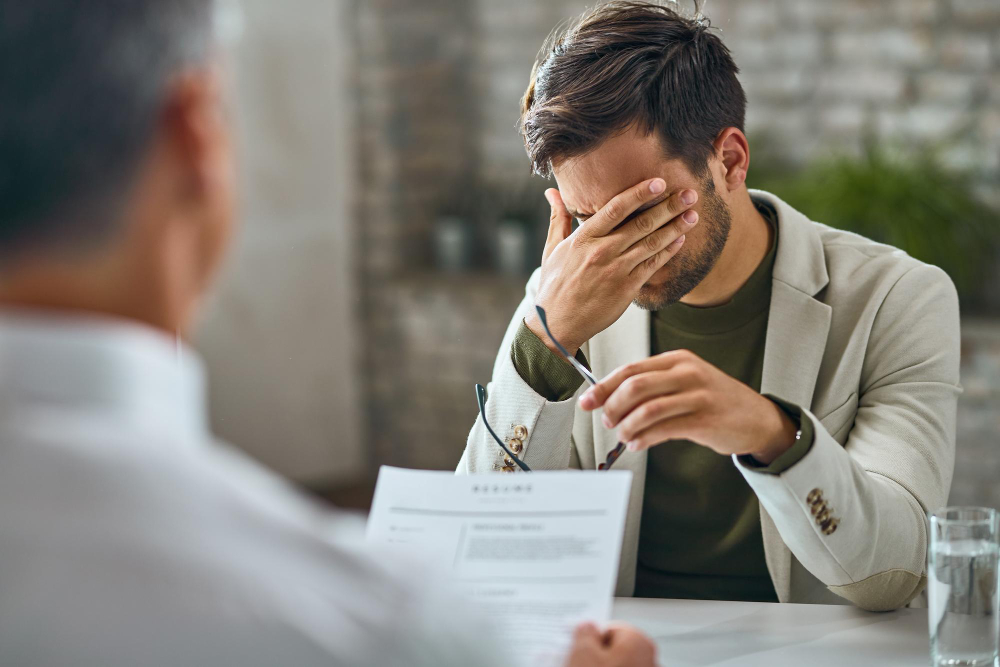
[{"x": 962, "y": 586}]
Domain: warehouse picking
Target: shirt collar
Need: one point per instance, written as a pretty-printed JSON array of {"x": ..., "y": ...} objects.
[{"x": 123, "y": 369}]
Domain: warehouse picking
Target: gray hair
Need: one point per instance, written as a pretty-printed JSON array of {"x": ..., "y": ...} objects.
[{"x": 82, "y": 83}]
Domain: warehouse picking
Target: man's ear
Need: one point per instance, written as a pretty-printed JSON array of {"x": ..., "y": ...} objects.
[
  {"x": 196, "y": 131},
  {"x": 734, "y": 152}
]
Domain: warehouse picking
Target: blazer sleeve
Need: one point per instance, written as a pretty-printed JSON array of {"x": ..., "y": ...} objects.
[
  {"x": 854, "y": 515},
  {"x": 517, "y": 412}
]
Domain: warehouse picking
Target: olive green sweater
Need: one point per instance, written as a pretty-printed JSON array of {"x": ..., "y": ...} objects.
[{"x": 700, "y": 531}]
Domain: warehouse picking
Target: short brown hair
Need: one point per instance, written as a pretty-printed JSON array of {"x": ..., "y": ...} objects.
[{"x": 625, "y": 64}]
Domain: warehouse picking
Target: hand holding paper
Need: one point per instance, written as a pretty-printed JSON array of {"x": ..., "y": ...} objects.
[{"x": 539, "y": 553}]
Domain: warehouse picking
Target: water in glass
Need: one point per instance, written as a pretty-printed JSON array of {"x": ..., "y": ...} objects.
[{"x": 962, "y": 597}]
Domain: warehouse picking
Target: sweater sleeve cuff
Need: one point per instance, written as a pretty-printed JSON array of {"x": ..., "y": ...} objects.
[
  {"x": 547, "y": 373},
  {"x": 796, "y": 452}
]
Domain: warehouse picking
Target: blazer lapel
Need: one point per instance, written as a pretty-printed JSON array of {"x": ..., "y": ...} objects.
[
  {"x": 798, "y": 323},
  {"x": 797, "y": 329},
  {"x": 796, "y": 337},
  {"x": 625, "y": 341}
]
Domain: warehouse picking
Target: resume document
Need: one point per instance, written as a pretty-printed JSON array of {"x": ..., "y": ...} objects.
[{"x": 538, "y": 552}]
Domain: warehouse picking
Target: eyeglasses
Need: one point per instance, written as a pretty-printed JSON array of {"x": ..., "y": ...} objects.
[{"x": 613, "y": 455}]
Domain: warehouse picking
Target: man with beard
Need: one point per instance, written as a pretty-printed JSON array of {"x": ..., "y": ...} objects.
[
  {"x": 128, "y": 534},
  {"x": 785, "y": 392}
]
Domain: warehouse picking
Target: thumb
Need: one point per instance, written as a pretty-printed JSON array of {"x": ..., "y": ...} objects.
[
  {"x": 560, "y": 222},
  {"x": 587, "y": 633},
  {"x": 586, "y": 648}
]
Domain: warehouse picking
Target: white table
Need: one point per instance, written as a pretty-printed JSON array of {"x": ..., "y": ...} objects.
[{"x": 745, "y": 634}]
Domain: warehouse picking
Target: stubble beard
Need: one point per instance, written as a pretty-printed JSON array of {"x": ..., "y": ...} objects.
[{"x": 691, "y": 267}]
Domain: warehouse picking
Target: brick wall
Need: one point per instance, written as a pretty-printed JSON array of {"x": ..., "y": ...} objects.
[
  {"x": 438, "y": 91},
  {"x": 416, "y": 146},
  {"x": 819, "y": 75}
]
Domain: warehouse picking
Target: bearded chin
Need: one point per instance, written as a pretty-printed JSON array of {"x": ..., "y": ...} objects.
[
  {"x": 689, "y": 267},
  {"x": 658, "y": 297},
  {"x": 683, "y": 279}
]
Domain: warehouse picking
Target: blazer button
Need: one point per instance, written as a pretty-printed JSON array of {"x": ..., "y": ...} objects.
[
  {"x": 507, "y": 462},
  {"x": 516, "y": 445},
  {"x": 520, "y": 432},
  {"x": 824, "y": 515},
  {"x": 814, "y": 496},
  {"x": 817, "y": 507},
  {"x": 507, "y": 469},
  {"x": 829, "y": 526}
]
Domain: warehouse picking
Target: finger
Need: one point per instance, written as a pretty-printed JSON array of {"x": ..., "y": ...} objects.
[
  {"x": 622, "y": 205},
  {"x": 597, "y": 395},
  {"x": 649, "y": 266},
  {"x": 660, "y": 240},
  {"x": 630, "y": 646},
  {"x": 634, "y": 391},
  {"x": 587, "y": 641},
  {"x": 587, "y": 632},
  {"x": 647, "y": 414},
  {"x": 586, "y": 647},
  {"x": 683, "y": 427},
  {"x": 613, "y": 631},
  {"x": 560, "y": 222},
  {"x": 653, "y": 218}
]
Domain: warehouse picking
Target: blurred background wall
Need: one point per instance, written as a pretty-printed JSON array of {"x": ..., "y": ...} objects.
[
  {"x": 281, "y": 337},
  {"x": 392, "y": 222}
]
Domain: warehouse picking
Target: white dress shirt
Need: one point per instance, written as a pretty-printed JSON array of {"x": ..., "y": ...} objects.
[{"x": 129, "y": 537}]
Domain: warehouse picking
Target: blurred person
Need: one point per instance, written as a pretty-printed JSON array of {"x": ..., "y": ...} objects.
[
  {"x": 787, "y": 391},
  {"x": 128, "y": 536}
]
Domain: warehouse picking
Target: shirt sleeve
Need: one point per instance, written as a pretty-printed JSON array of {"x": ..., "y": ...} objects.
[
  {"x": 796, "y": 452},
  {"x": 547, "y": 373}
]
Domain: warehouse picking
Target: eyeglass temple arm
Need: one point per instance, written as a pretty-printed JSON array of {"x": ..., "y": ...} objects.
[
  {"x": 615, "y": 453},
  {"x": 580, "y": 368},
  {"x": 481, "y": 398}
]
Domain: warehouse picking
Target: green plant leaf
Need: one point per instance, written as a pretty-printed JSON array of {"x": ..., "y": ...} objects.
[{"x": 910, "y": 201}]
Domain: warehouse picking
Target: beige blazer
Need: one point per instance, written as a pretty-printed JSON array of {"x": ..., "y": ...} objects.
[{"x": 866, "y": 340}]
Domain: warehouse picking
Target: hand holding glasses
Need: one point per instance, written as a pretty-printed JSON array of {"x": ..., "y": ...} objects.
[{"x": 580, "y": 368}]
